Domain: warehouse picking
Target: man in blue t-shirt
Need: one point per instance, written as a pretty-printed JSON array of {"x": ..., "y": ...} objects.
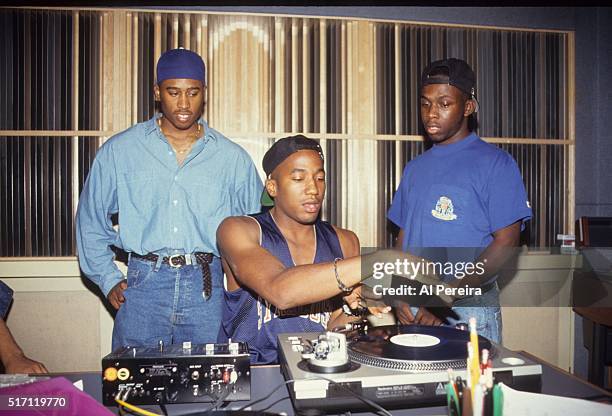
[{"x": 461, "y": 201}]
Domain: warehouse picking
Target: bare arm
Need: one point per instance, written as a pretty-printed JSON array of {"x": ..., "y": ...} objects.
[
  {"x": 501, "y": 249},
  {"x": 13, "y": 358},
  {"x": 403, "y": 312},
  {"x": 251, "y": 265},
  {"x": 399, "y": 241},
  {"x": 247, "y": 263},
  {"x": 350, "y": 248}
]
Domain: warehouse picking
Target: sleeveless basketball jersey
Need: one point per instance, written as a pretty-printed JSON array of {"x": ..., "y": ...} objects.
[{"x": 250, "y": 318}]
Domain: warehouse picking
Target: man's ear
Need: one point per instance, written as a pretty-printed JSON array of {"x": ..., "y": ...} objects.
[
  {"x": 469, "y": 108},
  {"x": 156, "y": 93},
  {"x": 271, "y": 187}
]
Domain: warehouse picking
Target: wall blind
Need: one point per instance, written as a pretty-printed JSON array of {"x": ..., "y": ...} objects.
[{"x": 72, "y": 78}]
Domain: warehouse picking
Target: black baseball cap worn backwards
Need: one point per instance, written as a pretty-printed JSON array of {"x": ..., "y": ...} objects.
[
  {"x": 280, "y": 151},
  {"x": 460, "y": 75}
]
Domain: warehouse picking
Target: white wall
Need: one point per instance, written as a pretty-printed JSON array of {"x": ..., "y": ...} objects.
[{"x": 58, "y": 320}]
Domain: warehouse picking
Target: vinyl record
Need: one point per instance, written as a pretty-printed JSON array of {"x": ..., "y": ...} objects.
[{"x": 414, "y": 347}]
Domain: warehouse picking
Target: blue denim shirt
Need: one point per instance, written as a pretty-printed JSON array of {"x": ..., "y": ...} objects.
[{"x": 163, "y": 208}]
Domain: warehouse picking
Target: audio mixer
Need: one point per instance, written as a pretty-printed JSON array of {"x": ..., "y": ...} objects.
[{"x": 177, "y": 374}]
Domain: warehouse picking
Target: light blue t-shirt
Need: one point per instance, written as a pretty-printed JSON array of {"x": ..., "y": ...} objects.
[
  {"x": 457, "y": 195},
  {"x": 163, "y": 208}
]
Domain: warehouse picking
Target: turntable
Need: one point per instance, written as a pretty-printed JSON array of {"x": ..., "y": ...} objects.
[{"x": 394, "y": 366}]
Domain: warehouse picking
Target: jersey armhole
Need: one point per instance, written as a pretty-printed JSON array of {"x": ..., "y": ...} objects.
[{"x": 258, "y": 226}]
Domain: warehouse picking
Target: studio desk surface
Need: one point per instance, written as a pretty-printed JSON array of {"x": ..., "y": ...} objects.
[{"x": 265, "y": 378}]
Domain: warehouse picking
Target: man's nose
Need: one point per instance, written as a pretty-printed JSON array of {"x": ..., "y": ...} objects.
[
  {"x": 311, "y": 188},
  {"x": 183, "y": 101},
  {"x": 433, "y": 112}
]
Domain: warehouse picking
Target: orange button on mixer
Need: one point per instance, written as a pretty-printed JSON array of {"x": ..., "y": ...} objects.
[{"x": 110, "y": 374}]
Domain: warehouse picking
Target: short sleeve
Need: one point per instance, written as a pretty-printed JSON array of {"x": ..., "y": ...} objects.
[
  {"x": 507, "y": 202},
  {"x": 398, "y": 210},
  {"x": 249, "y": 188}
]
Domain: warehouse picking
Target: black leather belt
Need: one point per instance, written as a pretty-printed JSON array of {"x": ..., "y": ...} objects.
[{"x": 180, "y": 260}]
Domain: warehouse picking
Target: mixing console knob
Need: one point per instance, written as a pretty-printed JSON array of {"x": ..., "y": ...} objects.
[
  {"x": 184, "y": 378},
  {"x": 171, "y": 396},
  {"x": 210, "y": 349}
]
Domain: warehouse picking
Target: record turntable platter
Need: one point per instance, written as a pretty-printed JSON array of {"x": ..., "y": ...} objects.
[{"x": 413, "y": 347}]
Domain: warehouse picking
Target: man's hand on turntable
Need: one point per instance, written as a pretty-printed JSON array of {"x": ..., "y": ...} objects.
[
  {"x": 363, "y": 296},
  {"x": 404, "y": 314},
  {"x": 115, "y": 296},
  {"x": 423, "y": 317}
]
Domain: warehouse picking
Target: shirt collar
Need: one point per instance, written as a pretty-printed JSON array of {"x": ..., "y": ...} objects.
[
  {"x": 447, "y": 149},
  {"x": 152, "y": 126}
]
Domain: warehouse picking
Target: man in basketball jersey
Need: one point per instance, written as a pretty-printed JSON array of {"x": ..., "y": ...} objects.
[{"x": 283, "y": 266}]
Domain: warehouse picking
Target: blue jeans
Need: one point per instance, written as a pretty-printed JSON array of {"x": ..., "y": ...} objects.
[
  {"x": 167, "y": 304},
  {"x": 484, "y": 308}
]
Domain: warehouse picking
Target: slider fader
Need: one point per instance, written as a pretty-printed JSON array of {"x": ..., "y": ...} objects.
[{"x": 177, "y": 374}]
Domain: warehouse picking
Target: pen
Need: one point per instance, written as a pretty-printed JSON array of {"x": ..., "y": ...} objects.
[
  {"x": 475, "y": 364},
  {"x": 466, "y": 408},
  {"x": 468, "y": 378},
  {"x": 459, "y": 385},
  {"x": 485, "y": 360}
]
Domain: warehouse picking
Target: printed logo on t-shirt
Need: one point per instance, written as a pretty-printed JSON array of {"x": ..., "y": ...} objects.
[{"x": 444, "y": 209}]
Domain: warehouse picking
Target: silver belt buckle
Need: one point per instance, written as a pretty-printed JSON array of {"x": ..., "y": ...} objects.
[{"x": 171, "y": 262}]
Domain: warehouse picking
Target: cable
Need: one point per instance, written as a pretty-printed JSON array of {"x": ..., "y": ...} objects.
[
  {"x": 359, "y": 396},
  {"x": 220, "y": 400},
  {"x": 266, "y": 396},
  {"x": 136, "y": 409},
  {"x": 272, "y": 404},
  {"x": 121, "y": 398}
]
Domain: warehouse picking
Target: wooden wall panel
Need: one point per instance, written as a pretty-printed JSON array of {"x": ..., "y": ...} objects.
[{"x": 350, "y": 83}]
